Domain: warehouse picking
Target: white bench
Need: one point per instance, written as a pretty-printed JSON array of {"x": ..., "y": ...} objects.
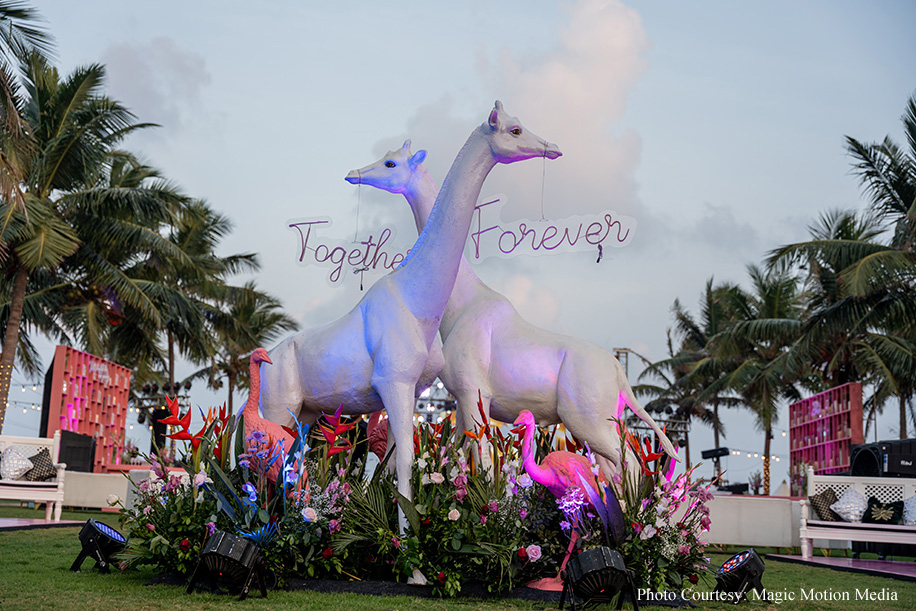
[
  {"x": 50, "y": 492},
  {"x": 885, "y": 489}
]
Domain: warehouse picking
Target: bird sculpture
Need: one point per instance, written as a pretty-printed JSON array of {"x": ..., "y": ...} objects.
[
  {"x": 559, "y": 471},
  {"x": 254, "y": 421}
]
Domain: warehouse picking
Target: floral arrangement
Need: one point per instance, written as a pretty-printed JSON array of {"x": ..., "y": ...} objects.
[
  {"x": 324, "y": 514},
  {"x": 665, "y": 518}
]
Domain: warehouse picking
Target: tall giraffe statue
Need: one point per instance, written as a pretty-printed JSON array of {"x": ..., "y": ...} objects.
[
  {"x": 516, "y": 366},
  {"x": 373, "y": 357}
]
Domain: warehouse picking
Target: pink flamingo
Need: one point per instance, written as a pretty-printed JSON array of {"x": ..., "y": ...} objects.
[
  {"x": 253, "y": 420},
  {"x": 559, "y": 471}
]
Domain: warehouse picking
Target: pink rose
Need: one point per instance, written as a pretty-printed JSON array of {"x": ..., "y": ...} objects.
[{"x": 534, "y": 552}]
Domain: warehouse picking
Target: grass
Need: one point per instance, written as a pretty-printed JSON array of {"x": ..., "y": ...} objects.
[{"x": 34, "y": 574}]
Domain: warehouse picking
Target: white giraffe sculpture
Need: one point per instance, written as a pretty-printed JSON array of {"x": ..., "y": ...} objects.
[
  {"x": 372, "y": 357},
  {"x": 516, "y": 366}
]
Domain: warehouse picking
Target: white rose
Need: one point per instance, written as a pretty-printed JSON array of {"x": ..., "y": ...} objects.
[
  {"x": 112, "y": 499},
  {"x": 454, "y": 514}
]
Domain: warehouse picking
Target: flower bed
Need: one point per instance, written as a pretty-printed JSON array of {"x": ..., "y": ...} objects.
[{"x": 325, "y": 516}]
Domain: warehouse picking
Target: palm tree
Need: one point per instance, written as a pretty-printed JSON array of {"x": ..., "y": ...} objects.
[
  {"x": 861, "y": 287},
  {"x": 190, "y": 289},
  {"x": 74, "y": 127},
  {"x": 247, "y": 319},
  {"x": 20, "y": 34},
  {"x": 888, "y": 175},
  {"x": 767, "y": 324}
]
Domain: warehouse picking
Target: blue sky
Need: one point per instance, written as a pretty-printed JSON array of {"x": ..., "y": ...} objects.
[{"x": 718, "y": 125}]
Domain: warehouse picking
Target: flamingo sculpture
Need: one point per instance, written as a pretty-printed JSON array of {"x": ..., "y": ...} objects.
[
  {"x": 254, "y": 422},
  {"x": 560, "y": 470}
]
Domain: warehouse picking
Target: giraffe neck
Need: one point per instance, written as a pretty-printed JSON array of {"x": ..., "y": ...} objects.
[{"x": 430, "y": 270}]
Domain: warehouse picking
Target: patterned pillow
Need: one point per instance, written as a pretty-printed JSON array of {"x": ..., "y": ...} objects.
[
  {"x": 909, "y": 511},
  {"x": 13, "y": 463},
  {"x": 43, "y": 468},
  {"x": 883, "y": 513},
  {"x": 822, "y": 502},
  {"x": 851, "y": 506}
]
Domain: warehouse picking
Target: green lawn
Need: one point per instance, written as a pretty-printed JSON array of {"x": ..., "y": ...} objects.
[{"x": 34, "y": 574}]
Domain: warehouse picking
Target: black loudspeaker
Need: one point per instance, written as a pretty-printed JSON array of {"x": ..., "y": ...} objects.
[
  {"x": 714, "y": 453},
  {"x": 77, "y": 451},
  {"x": 896, "y": 458}
]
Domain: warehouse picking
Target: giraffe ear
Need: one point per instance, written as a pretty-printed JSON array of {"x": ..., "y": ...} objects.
[
  {"x": 417, "y": 158},
  {"x": 494, "y": 120},
  {"x": 406, "y": 147}
]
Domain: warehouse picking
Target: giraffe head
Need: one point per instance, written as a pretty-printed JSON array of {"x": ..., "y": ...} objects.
[
  {"x": 511, "y": 142},
  {"x": 391, "y": 173}
]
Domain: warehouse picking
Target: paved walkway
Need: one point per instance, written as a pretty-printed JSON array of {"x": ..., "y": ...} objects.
[
  {"x": 28, "y": 523},
  {"x": 893, "y": 569}
]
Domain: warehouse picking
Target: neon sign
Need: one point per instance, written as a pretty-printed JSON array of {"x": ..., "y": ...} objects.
[{"x": 489, "y": 236}]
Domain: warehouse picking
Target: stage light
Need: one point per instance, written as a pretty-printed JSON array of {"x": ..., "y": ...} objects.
[
  {"x": 740, "y": 573},
  {"x": 100, "y": 541},
  {"x": 231, "y": 560},
  {"x": 597, "y": 576}
]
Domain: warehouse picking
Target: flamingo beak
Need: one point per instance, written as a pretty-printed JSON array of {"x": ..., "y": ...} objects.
[{"x": 267, "y": 360}]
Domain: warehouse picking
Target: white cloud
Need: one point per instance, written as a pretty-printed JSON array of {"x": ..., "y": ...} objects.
[{"x": 158, "y": 80}]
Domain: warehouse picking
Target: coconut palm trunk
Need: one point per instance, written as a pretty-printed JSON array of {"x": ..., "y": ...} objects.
[{"x": 11, "y": 339}]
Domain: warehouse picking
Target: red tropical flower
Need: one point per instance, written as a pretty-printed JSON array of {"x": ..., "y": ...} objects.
[
  {"x": 441, "y": 577},
  {"x": 327, "y": 553},
  {"x": 333, "y": 429}
]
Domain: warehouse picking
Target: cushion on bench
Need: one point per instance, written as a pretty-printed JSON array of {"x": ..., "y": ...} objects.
[
  {"x": 822, "y": 502},
  {"x": 14, "y": 463},
  {"x": 43, "y": 469},
  {"x": 883, "y": 513},
  {"x": 851, "y": 505}
]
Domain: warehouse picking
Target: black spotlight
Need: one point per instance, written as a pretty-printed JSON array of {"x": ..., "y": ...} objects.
[
  {"x": 232, "y": 560},
  {"x": 596, "y": 576},
  {"x": 740, "y": 573},
  {"x": 99, "y": 541}
]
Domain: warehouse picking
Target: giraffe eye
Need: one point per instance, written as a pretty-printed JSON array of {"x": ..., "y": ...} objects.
[
  {"x": 390, "y": 164},
  {"x": 517, "y": 131}
]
